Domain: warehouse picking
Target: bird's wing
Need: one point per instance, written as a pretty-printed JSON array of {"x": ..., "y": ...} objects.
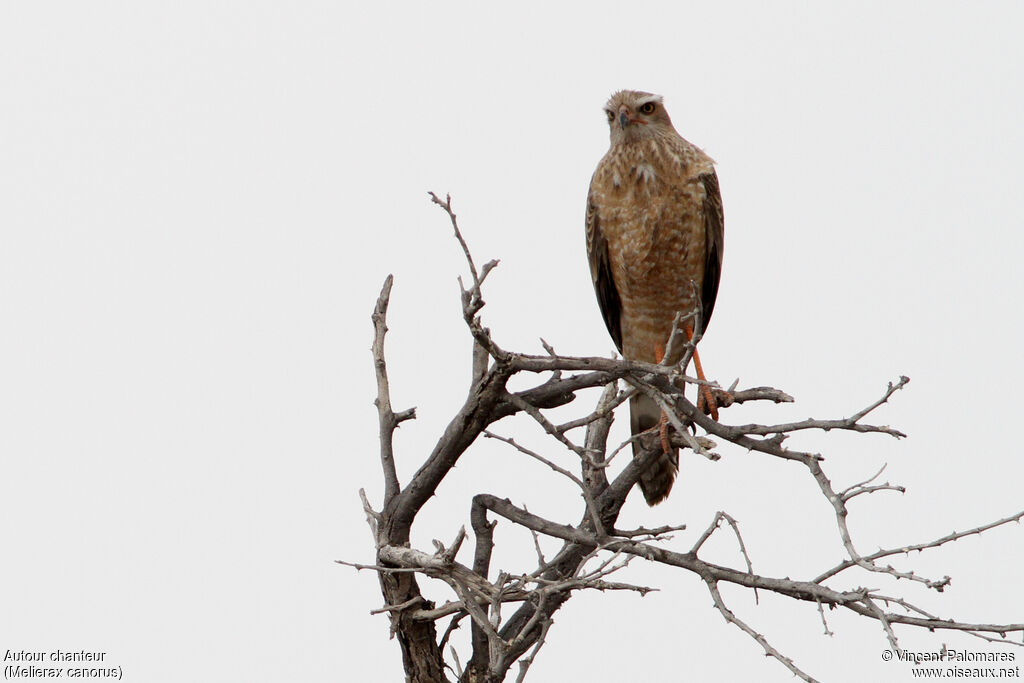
[
  {"x": 601, "y": 273},
  {"x": 714, "y": 235}
]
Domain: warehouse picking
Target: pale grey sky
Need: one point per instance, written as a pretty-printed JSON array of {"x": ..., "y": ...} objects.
[{"x": 200, "y": 201}]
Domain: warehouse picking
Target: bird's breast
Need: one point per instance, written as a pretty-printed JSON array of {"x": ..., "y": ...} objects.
[{"x": 657, "y": 248}]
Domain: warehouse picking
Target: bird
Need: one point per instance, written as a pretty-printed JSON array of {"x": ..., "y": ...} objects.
[{"x": 655, "y": 238}]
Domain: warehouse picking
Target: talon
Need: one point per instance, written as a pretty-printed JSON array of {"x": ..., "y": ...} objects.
[{"x": 706, "y": 402}]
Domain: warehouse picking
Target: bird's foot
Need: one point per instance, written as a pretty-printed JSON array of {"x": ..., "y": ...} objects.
[{"x": 706, "y": 402}]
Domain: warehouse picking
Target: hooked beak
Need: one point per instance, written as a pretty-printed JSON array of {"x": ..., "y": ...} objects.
[{"x": 625, "y": 119}]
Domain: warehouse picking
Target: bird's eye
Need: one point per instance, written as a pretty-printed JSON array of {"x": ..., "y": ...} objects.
[
  {"x": 647, "y": 108},
  {"x": 610, "y": 113}
]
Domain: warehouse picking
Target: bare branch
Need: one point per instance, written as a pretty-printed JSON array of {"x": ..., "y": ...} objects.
[
  {"x": 824, "y": 622},
  {"x": 536, "y": 456},
  {"x": 668, "y": 410},
  {"x": 907, "y": 549},
  {"x": 727, "y": 398},
  {"x": 851, "y": 423},
  {"x": 882, "y": 617},
  {"x": 551, "y": 429},
  {"x": 372, "y": 516},
  {"x": 525, "y": 662},
  {"x": 411, "y": 602},
  {"x": 386, "y": 418},
  {"x": 447, "y": 206},
  {"x": 761, "y": 640},
  {"x": 452, "y": 625}
]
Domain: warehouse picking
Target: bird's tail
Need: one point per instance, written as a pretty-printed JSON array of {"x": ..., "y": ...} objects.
[{"x": 656, "y": 481}]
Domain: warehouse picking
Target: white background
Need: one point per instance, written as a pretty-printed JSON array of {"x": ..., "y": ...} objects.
[{"x": 200, "y": 201}]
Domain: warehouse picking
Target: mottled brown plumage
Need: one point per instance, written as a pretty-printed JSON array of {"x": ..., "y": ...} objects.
[{"x": 655, "y": 239}]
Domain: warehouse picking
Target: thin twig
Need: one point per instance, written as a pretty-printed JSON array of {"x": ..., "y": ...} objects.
[{"x": 761, "y": 640}]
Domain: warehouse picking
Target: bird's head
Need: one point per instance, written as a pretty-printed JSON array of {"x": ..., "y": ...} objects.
[{"x": 634, "y": 115}]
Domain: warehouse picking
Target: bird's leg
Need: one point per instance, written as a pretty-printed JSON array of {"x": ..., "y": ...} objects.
[
  {"x": 705, "y": 397},
  {"x": 659, "y": 354}
]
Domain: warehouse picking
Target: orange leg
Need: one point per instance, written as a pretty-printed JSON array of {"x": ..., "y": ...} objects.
[
  {"x": 705, "y": 397},
  {"x": 659, "y": 354}
]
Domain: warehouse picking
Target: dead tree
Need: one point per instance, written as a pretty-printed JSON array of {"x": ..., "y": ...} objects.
[{"x": 510, "y": 612}]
